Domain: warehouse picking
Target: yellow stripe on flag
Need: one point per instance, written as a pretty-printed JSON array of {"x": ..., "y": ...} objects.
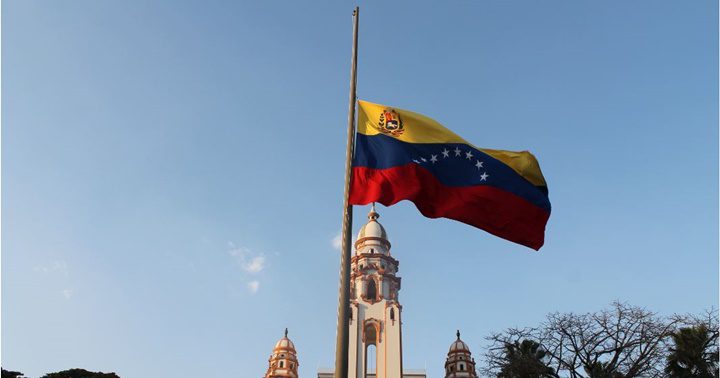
[{"x": 417, "y": 128}]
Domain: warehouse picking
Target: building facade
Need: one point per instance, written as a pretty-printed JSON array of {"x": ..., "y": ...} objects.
[{"x": 375, "y": 347}]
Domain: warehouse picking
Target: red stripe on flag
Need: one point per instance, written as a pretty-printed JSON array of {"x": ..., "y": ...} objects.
[{"x": 494, "y": 210}]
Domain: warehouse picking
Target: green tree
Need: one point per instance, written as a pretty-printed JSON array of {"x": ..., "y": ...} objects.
[
  {"x": 79, "y": 373},
  {"x": 525, "y": 359},
  {"x": 602, "y": 370},
  {"x": 694, "y": 353},
  {"x": 11, "y": 374}
]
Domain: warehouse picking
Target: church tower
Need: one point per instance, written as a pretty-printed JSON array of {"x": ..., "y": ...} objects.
[
  {"x": 459, "y": 363},
  {"x": 283, "y": 361},
  {"x": 375, "y": 336}
]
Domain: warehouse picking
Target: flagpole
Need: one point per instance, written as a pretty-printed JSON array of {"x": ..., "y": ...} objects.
[{"x": 343, "y": 322}]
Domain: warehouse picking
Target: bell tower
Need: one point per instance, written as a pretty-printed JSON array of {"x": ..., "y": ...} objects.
[
  {"x": 375, "y": 335},
  {"x": 459, "y": 362},
  {"x": 283, "y": 362}
]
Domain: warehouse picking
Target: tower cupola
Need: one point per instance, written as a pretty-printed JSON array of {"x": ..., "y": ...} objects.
[
  {"x": 283, "y": 362},
  {"x": 372, "y": 237},
  {"x": 459, "y": 361}
]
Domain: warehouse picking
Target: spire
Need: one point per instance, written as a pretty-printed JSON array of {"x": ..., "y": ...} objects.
[
  {"x": 285, "y": 332},
  {"x": 373, "y": 215},
  {"x": 458, "y": 334}
]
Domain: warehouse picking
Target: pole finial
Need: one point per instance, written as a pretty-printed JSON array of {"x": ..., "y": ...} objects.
[
  {"x": 458, "y": 334},
  {"x": 285, "y": 332},
  {"x": 372, "y": 215}
]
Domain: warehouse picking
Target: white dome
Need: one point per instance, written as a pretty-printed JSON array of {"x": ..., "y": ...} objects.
[
  {"x": 458, "y": 345},
  {"x": 285, "y": 343},
  {"x": 373, "y": 228}
]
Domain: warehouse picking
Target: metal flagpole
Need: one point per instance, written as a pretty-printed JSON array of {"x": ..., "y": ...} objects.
[{"x": 343, "y": 323}]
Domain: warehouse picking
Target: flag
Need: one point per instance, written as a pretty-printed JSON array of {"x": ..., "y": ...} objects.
[{"x": 402, "y": 155}]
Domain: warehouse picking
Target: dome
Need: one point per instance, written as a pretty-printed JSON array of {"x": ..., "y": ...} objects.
[
  {"x": 373, "y": 228},
  {"x": 458, "y": 345},
  {"x": 285, "y": 343},
  {"x": 283, "y": 362},
  {"x": 460, "y": 363}
]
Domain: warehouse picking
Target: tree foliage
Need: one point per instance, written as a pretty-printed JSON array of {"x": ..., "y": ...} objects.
[
  {"x": 694, "y": 351},
  {"x": 79, "y": 373},
  {"x": 525, "y": 359},
  {"x": 11, "y": 374}
]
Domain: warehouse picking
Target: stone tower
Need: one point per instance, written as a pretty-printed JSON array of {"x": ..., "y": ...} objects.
[
  {"x": 283, "y": 361},
  {"x": 375, "y": 310}
]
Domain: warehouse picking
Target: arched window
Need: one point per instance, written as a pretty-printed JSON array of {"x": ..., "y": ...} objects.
[
  {"x": 371, "y": 334},
  {"x": 392, "y": 314},
  {"x": 462, "y": 367},
  {"x": 371, "y": 292},
  {"x": 282, "y": 364}
]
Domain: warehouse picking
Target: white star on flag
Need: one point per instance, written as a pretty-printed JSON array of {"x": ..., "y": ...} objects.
[
  {"x": 433, "y": 158},
  {"x": 416, "y": 161},
  {"x": 468, "y": 155},
  {"x": 484, "y": 176},
  {"x": 479, "y": 164},
  {"x": 446, "y": 153},
  {"x": 457, "y": 151},
  {"x": 423, "y": 159}
]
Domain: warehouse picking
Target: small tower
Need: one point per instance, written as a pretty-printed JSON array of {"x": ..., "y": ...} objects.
[
  {"x": 283, "y": 360},
  {"x": 375, "y": 311},
  {"x": 459, "y": 361}
]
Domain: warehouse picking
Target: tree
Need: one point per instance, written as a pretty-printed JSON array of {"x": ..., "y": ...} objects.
[
  {"x": 622, "y": 341},
  {"x": 11, "y": 374},
  {"x": 79, "y": 373},
  {"x": 601, "y": 370},
  {"x": 694, "y": 351},
  {"x": 525, "y": 359}
]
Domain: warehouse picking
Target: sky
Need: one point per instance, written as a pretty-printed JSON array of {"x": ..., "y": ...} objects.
[{"x": 172, "y": 172}]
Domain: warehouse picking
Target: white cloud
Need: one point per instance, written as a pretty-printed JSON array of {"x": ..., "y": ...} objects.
[
  {"x": 337, "y": 241},
  {"x": 255, "y": 265},
  {"x": 250, "y": 262},
  {"x": 67, "y": 293},
  {"x": 253, "y": 286},
  {"x": 56, "y": 266}
]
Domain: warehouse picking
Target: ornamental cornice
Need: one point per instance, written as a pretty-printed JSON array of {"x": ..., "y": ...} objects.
[
  {"x": 381, "y": 256},
  {"x": 372, "y": 238}
]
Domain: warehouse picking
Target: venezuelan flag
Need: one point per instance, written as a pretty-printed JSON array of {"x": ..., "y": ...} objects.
[{"x": 401, "y": 155}]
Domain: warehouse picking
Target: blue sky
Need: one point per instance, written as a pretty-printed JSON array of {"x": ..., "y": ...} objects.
[{"x": 172, "y": 172}]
